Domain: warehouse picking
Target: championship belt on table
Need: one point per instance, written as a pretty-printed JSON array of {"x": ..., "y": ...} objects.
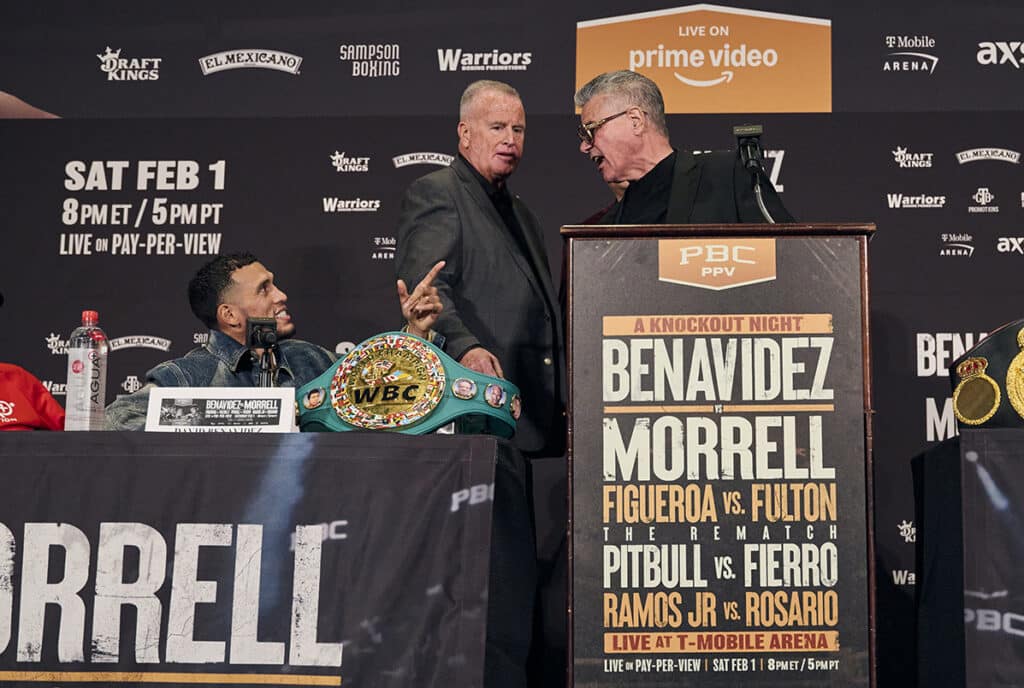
[{"x": 398, "y": 382}]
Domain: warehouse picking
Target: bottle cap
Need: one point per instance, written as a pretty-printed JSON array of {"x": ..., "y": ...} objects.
[{"x": 90, "y": 317}]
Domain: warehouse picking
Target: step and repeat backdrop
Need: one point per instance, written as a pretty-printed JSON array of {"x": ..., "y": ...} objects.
[{"x": 139, "y": 141}]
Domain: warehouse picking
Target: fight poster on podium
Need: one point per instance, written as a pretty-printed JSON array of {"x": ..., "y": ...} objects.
[{"x": 719, "y": 461}]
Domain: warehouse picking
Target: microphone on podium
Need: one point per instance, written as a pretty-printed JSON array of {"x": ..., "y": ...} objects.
[{"x": 748, "y": 144}]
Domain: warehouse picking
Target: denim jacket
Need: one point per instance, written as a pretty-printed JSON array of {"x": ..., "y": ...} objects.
[{"x": 221, "y": 362}]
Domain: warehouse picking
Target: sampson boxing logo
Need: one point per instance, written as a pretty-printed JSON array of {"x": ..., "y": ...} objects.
[
  {"x": 372, "y": 60},
  {"x": 119, "y": 68},
  {"x": 250, "y": 59},
  {"x": 709, "y": 58}
]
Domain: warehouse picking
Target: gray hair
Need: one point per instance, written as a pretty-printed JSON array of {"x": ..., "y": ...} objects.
[
  {"x": 631, "y": 88},
  {"x": 478, "y": 87}
]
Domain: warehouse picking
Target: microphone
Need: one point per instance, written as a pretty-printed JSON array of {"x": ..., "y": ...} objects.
[
  {"x": 261, "y": 333},
  {"x": 748, "y": 144}
]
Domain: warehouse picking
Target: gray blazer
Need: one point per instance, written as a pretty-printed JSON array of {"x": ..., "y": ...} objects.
[{"x": 494, "y": 296}]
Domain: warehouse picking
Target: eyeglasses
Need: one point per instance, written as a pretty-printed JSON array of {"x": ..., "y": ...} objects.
[{"x": 586, "y": 131}]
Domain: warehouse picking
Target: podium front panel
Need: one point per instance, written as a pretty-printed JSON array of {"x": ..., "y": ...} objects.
[{"x": 718, "y": 443}]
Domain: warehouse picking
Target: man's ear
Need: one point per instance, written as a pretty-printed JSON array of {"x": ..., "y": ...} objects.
[
  {"x": 228, "y": 316},
  {"x": 463, "y": 130},
  {"x": 638, "y": 119}
]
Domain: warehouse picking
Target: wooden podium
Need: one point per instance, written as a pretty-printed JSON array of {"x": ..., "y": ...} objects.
[{"x": 720, "y": 456}]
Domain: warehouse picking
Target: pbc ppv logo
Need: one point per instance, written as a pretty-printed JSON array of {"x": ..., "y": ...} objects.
[
  {"x": 905, "y": 159},
  {"x": 345, "y": 164},
  {"x": 119, "y": 68},
  {"x": 909, "y": 57},
  {"x": 457, "y": 60},
  {"x": 716, "y": 264},
  {"x": 1001, "y": 52}
]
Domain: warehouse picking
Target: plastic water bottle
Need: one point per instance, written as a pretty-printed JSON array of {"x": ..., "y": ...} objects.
[{"x": 87, "y": 375}]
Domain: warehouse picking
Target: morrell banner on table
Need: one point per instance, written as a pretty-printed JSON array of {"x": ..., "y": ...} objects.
[
  {"x": 719, "y": 529},
  {"x": 218, "y": 560}
]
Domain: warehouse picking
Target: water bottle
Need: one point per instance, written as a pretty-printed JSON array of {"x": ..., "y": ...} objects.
[{"x": 87, "y": 375}]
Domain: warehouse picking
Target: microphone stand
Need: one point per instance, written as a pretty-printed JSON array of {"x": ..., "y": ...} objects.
[{"x": 749, "y": 147}]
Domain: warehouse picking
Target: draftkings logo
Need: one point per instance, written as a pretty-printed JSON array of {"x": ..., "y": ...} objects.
[
  {"x": 1000, "y": 53},
  {"x": 905, "y": 159},
  {"x": 908, "y": 531},
  {"x": 898, "y": 201},
  {"x": 997, "y": 154},
  {"x": 250, "y": 59},
  {"x": 372, "y": 60},
  {"x": 333, "y": 204},
  {"x": 907, "y": 54},
  {"x": 383, "y": 248},
  {"x": 343, "y": 163},
  {"x": 984, "y": 198},
  {"x": 119, "y": 68},
  {"x": 459, "y": 60},
  {"x": 56, "y": 345},
  {"x": 957, "y": 246},
  {"x": 441, "y": 160}
]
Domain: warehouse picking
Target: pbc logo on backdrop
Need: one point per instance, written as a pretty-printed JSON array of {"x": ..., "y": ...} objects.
[
  {"x": 131, "y": 384},
  {"x": 909, "y": 56},
  {"x": 1001, "y": 52},
  {"x": 342, "y": 163},
  {"x": 908, "y": 160},
  {"x": 458, "y": 60},
  {"x": 119, "y": 68},
  {"x": 372, "y": 61},
  {"x": 1010, "y": 245}
]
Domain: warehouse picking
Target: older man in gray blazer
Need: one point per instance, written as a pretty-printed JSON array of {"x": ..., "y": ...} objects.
[{"x": 501, "y": 314}]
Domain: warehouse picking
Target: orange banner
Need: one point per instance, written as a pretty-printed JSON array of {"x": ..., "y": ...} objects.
[{"x": 709, "y": 58}]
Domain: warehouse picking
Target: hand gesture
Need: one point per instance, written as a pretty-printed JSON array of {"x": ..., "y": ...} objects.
[{"x": 421, "y": 308}]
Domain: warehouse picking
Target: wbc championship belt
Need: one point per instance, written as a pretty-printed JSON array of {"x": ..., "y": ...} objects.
[{"x": 398, "y": 382}]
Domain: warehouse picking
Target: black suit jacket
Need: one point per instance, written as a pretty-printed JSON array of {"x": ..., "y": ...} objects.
[
  {"x": 713, "y": 188},
  {"x": 494, "y": 295}
]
